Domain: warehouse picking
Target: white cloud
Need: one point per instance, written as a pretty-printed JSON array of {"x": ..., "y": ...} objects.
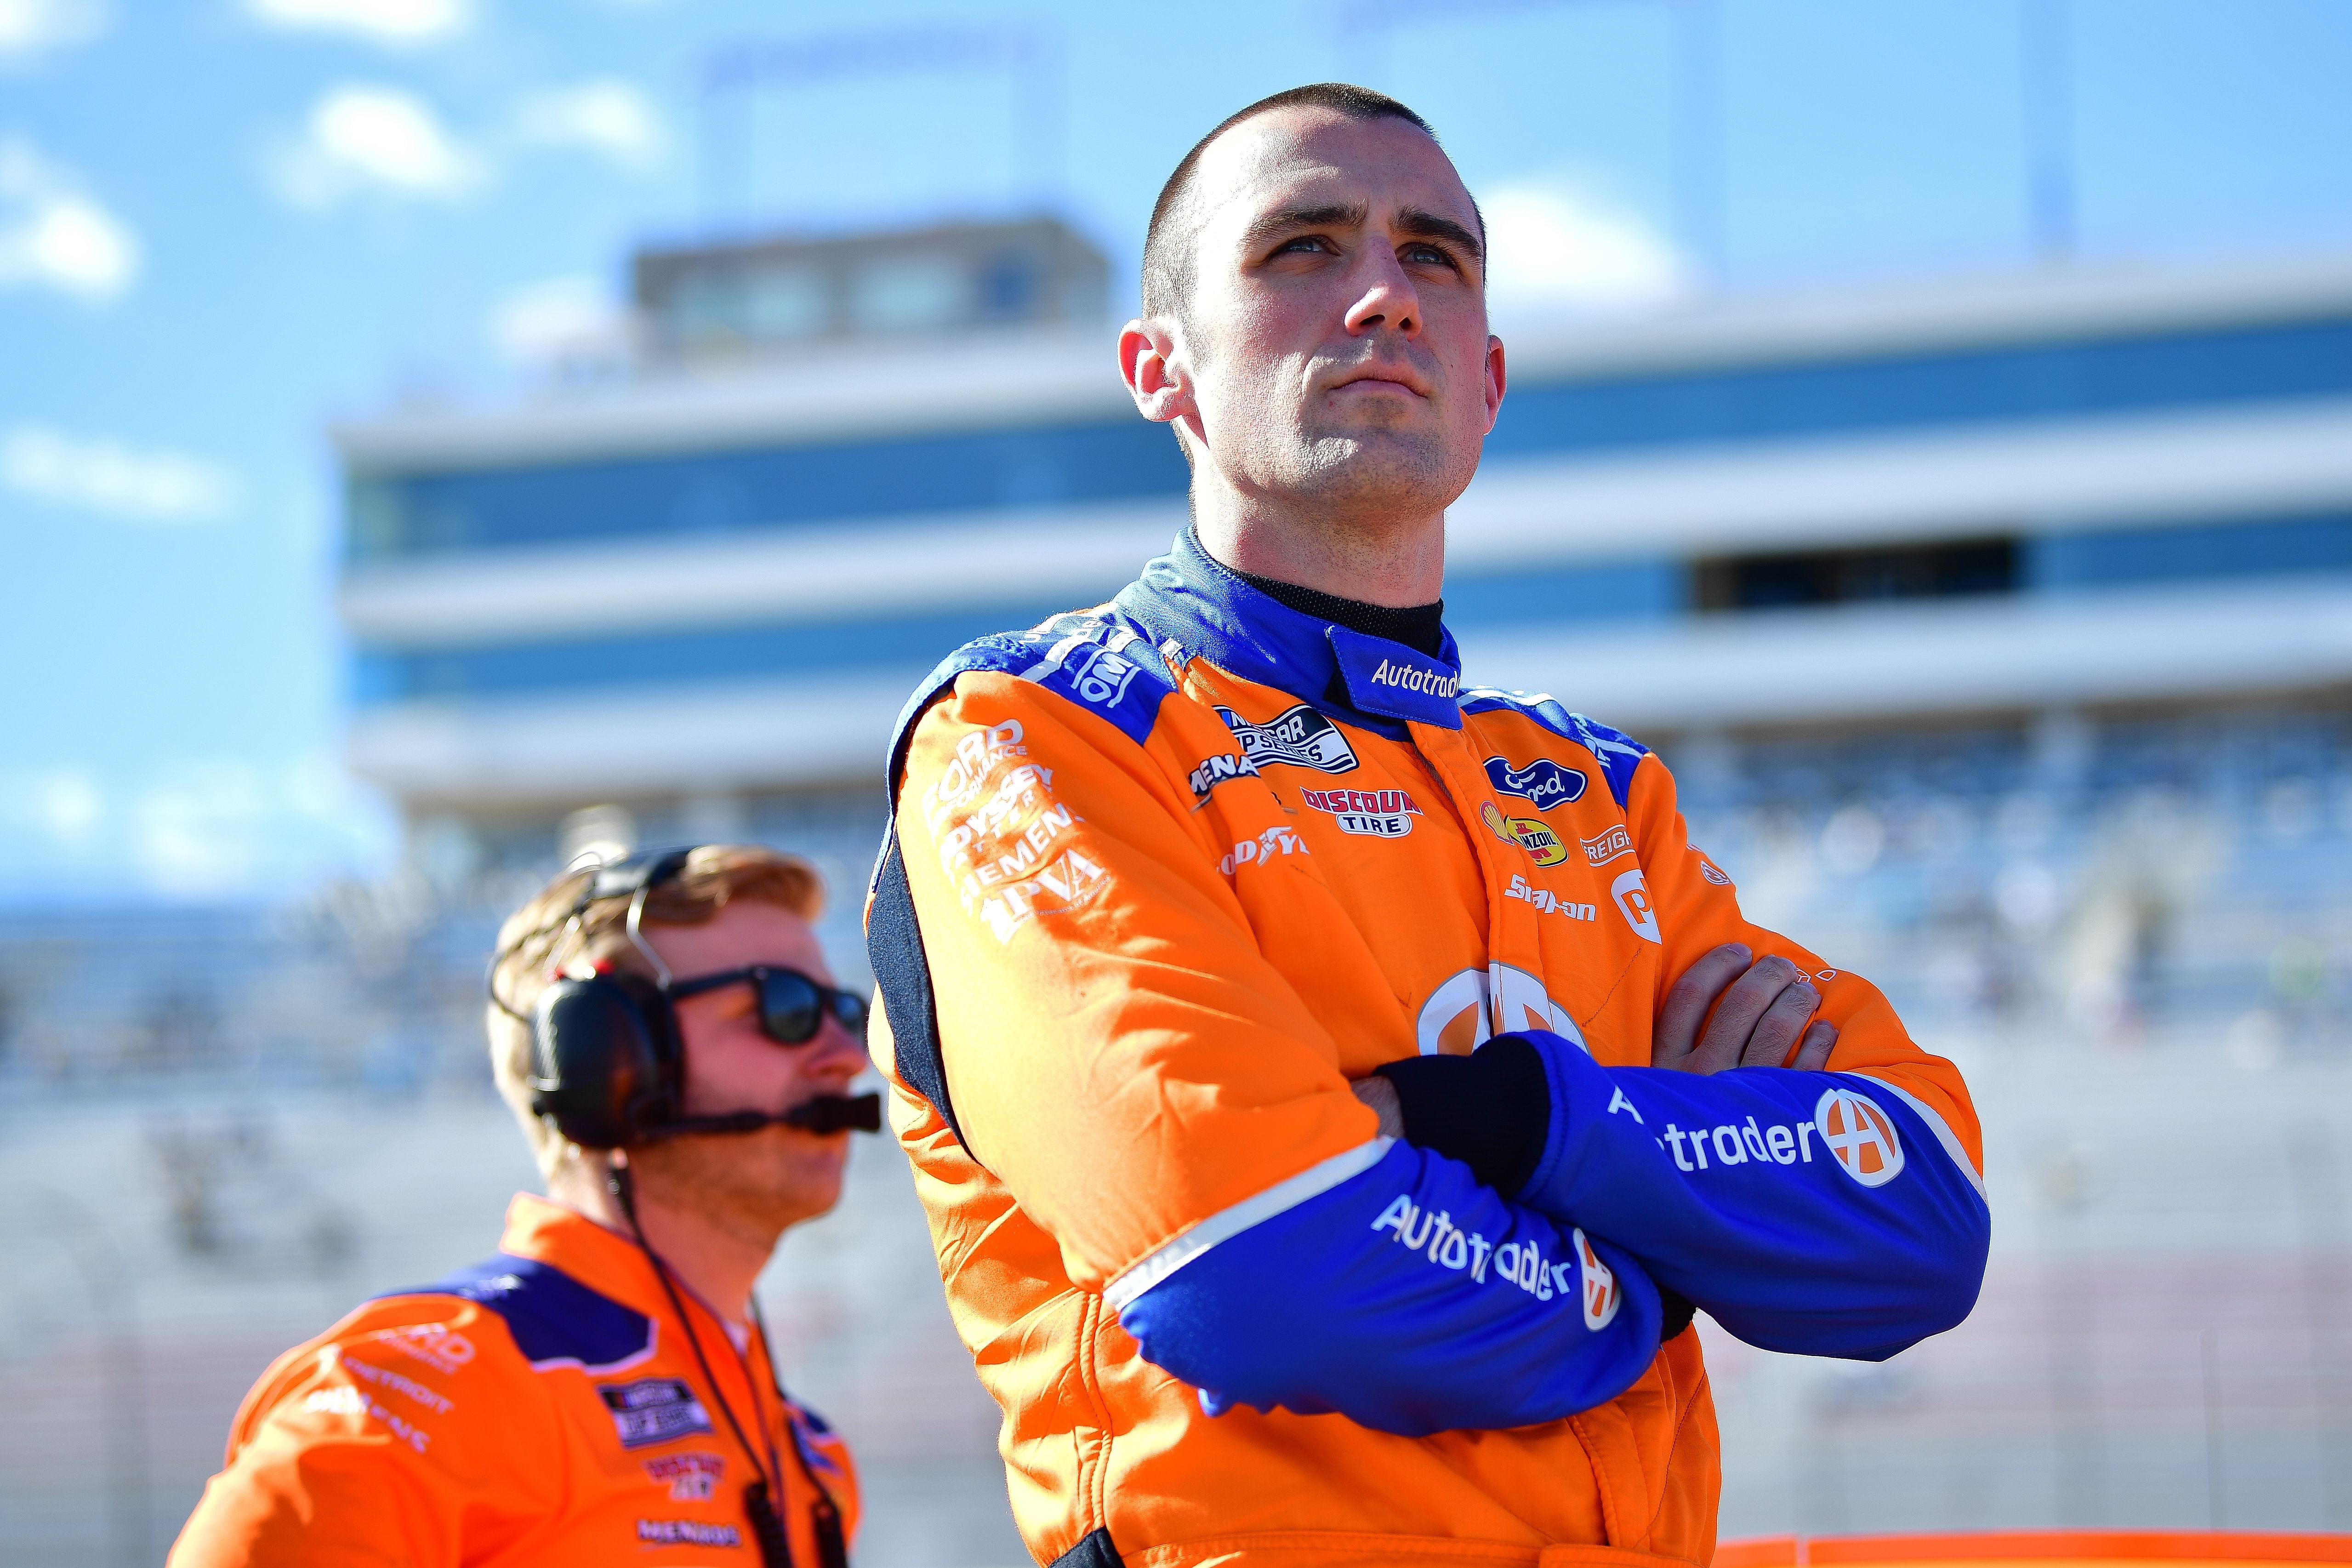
[
  {"x": 608, "y": 117},
  {"x": 394, "y": 23},
  {"x": 1562, "y": 242},
  {"x": 560, "y": 323},
  {"x": 68, "y": 804},
  {"x": 31, "y": 29},
  {"x": 379, "y": 141},
  {"x": 54, "y": 234},
  {"x": 97, "y": 473}
]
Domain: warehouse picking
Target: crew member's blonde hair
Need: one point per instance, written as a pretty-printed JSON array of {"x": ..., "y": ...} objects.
[{"x": 539, "y": 943}]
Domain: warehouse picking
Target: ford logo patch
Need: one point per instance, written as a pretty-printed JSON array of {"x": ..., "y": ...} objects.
[{"x": 1543, "y": 782}]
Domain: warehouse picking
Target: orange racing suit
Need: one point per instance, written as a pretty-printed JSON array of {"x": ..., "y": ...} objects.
[
  {"x": 1164, "y": 876},
  {"x": 542, "y": 1408}
]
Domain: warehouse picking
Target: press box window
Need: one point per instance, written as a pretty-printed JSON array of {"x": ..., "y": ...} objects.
[{"x": 1944, "y": 570}]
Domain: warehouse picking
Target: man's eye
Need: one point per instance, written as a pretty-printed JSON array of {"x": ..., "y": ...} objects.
[
  {"x": 1428, "y": 255},
  {"x": 1308, "y": 242}
]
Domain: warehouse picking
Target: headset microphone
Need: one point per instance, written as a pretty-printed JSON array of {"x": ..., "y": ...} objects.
[{"x": 824, "y": 1114}]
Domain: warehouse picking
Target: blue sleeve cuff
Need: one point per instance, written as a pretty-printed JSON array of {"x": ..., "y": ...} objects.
[{"x": 1810, "y": 1212}]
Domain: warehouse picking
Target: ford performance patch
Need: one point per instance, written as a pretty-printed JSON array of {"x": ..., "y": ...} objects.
[
  {"x": 654, "y": 1410},
  {"x": 1388, "y": 678},
  {"x": 1543, "y": 782},
  {"x": 1300, "y": 737}
]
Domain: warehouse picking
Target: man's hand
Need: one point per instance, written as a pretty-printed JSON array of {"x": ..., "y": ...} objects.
[
  {"x": 1381, "y": 1095},
  {"x": 1763, "y": 1013}
]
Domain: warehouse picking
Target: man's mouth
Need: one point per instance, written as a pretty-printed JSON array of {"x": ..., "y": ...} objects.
[{"x": 1399, "y": 377}]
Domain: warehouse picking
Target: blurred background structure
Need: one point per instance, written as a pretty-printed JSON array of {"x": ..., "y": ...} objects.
[{"x": 1932, "y": 432}]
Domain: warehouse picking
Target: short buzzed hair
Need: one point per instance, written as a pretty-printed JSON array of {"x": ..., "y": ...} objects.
[{"x": 1167, "y": 258}]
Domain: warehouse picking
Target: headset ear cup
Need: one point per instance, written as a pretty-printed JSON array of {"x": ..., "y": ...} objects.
[{"x": 604, "y": 1059}]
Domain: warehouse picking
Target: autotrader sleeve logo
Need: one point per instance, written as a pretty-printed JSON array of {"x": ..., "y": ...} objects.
[{"x": 1861, "y": 1135}]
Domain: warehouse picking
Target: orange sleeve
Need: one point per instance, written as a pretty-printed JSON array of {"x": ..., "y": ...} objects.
[
  {"x": 1121, "y": 1048},
  {"x": 1698, "y": 911},
  {"x": 383, "y": 1442}
]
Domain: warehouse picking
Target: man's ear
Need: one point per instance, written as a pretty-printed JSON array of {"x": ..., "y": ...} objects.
[
  {"x": 1151, "y": 363},
  {"x": 1495, "y": 380}
]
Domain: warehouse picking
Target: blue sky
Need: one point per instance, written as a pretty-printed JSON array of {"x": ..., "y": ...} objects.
[{"x": 223, "y": 221}]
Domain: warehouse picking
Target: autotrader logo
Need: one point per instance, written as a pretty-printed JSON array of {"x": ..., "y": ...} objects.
[{"x": 1861, "y": 1135}]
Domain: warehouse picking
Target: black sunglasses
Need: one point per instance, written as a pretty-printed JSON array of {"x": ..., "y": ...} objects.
[{"x": 791, "y": 1005}]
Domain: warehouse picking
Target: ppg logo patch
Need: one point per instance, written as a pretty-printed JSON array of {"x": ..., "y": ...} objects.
[
  {"x": 1543, "y": 782},
  {"x": 1861, "y": 1135},
  {"x": 653, "y": 1410}
]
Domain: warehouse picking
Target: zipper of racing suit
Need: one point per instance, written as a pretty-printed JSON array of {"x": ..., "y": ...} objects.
[
  {"x": 1447, "y": 753},
  {"x": 1511, "y": 936}
]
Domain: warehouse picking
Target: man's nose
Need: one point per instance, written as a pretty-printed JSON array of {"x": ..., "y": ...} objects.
[
  {"x": 835, "y": 1051},
  {"x": 1385, "y": 298}
]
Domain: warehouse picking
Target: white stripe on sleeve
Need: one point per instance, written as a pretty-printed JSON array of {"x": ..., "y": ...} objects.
[
  {"x": 1255, "y": 1209},
  {"x": 1937, "y": 1125}
]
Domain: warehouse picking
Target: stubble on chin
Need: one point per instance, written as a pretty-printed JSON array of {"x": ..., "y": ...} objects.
[
  {"x": 1369, "y": 474},
  {"x": 752, "y": 1185}
]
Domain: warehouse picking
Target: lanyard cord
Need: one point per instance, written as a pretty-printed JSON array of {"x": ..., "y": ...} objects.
[
  {"x": 825, "y": 1514},
  {"x": 766, "y": 1523}
]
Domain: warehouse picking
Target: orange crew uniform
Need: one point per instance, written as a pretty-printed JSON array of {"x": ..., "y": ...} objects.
[
  {"x": 1165, "y": 877},
  {"x": 542, "y": 1408}
]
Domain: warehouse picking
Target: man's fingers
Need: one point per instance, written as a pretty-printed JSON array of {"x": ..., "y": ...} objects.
[
  {"x": 1776, "y": 1032},
  {"x": 1381, "y": 1095},
  {"x": 1737, "y": 1015},
  {"x": 1813, "y": 1056},
  {"x": 1688, "y": 1000}
]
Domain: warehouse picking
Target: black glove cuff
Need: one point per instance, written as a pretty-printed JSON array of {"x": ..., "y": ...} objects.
[{"x": 1490, "y": 1109}]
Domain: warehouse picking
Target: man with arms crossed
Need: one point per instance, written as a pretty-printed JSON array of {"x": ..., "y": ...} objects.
[
  {"x": 1310, "y": 1063},
  {"x": 601, "y": 1390}
]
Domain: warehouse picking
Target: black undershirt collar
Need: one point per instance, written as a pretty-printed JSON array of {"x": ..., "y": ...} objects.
[{"x": 1421, "y": 627}]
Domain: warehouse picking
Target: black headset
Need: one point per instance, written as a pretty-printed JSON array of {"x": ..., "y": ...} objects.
[{"x": 607, "y": 1063}]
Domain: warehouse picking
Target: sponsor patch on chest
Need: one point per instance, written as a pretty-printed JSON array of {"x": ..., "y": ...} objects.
[
  {"x": 1530, "y": 834},
  {"x": 1380, "y": 812},
  {"x": 654, "y": 1410},
  {"x": 1542, "y": 783},
  {"x": 690, "y": 1478},
  {"x": 1299, "y": 738},
  {"x": 687, "y": 1533}
]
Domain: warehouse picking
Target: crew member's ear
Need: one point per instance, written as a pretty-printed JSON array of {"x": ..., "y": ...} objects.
[{"x": 1151, "y": 363}]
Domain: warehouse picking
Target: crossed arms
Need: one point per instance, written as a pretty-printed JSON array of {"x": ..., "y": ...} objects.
[{"x": 1129, "y": 1060}]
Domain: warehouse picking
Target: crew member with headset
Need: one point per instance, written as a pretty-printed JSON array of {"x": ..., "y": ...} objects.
[{"x": 601, "y": 1389}]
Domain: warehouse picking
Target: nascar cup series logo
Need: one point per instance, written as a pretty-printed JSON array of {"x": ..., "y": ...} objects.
[
  {"x": 1300, "y": 737},
  {"x": 1861, "y": 1135}
]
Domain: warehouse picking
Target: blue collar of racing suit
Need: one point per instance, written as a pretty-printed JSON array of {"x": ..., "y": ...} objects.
[{"x": 1187, "y": 597}]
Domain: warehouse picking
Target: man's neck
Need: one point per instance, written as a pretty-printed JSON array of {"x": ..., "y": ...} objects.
[
  {"x": 1395, "y": 562},
  {"x": 718, "y": 1262}
]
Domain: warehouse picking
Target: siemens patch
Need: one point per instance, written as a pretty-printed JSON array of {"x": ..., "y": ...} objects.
[{"x": 1542, "y": 781}]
